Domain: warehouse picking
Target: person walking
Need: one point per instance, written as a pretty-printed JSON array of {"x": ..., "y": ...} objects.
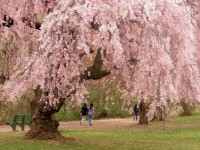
[
  {"x": 84, "y": 112},
  {"x": 90, "y": 114},
  {"x": 136, "y": 110}
]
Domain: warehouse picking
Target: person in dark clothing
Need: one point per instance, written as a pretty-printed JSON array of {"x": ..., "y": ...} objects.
[
  {"x": 136, "y": 110},
  {"x": 84, "y": 112}
]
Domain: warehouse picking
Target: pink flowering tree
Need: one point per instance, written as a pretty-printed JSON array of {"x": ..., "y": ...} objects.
[
  {"x": 166, "y": 44},
  {"x": 153, "y": 44}
]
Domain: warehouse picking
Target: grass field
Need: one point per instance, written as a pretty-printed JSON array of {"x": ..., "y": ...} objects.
[{"x": 183, "y": 133}]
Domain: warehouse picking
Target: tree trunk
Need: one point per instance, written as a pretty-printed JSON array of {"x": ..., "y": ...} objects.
[
  {"x": 164, "y": 119},
  {"x": 143, "y": 113},
  {"x": 158, "y": 116},
  {"x": 43, "y": 126},
  {"x": 187, "y": 110}
]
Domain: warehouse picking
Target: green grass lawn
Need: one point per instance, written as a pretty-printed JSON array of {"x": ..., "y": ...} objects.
[{"x": 183, "y": 133}]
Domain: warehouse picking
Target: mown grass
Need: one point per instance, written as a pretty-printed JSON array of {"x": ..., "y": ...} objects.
[{"x": 183, "y": 133}]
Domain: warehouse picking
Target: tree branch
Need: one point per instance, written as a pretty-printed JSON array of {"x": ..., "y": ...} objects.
[{"x": 94, "y": 72}]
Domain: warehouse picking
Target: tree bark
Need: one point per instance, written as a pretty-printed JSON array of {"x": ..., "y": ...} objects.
[
  {"x": 158, "y": 116},
  {"x": 143, "y": 113},
  {"x": 43, "y": 126}
]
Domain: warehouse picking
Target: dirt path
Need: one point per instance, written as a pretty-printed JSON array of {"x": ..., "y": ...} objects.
[
  {"x": 103, "y": 124},
  {"x": 118, "y": 123}
]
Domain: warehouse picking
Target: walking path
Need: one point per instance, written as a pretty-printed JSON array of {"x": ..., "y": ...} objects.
[{"x": 103, "y": 124}]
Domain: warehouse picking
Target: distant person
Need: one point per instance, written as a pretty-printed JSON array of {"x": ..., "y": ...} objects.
[
  {"x": 136, "y": 110},
  {"x": 84, "y": 112},
  {"x": 90, "y": 113}
]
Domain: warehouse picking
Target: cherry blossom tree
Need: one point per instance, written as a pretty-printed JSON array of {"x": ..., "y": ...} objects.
[
  {"x": 153, "y": 44},
  {"x": 166, "y": 52}
]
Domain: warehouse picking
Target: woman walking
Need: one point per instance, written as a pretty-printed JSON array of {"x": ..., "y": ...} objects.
[{"x": 90, "y": 114}]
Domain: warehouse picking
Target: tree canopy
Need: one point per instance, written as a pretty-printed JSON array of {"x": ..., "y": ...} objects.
[{"x": 153, "y": 44}]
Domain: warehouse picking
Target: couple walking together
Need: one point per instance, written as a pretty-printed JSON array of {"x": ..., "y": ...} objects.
[{"x": 87, "y": 111}]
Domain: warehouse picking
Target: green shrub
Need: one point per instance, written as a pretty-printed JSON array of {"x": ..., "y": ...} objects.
[{"x": 68, "y": 115}]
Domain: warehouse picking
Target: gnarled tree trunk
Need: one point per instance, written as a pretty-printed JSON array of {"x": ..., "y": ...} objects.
[
  {"x": 43, "y": 126},
  {"x": 143, "y": 113}
]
